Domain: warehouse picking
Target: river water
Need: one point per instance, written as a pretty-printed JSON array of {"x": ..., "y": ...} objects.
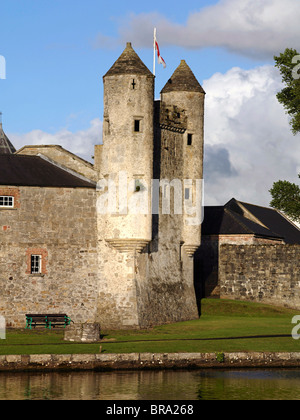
[{"x": 271, "y": 384}]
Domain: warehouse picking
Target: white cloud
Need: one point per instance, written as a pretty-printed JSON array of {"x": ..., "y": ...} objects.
[
  {"x": 256, "y": 28},
  {"x": 248, "y": 142},
  {"x": 81, "y": 143}
]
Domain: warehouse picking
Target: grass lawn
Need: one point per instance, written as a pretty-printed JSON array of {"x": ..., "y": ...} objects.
[{"x": 224, "y": 326}]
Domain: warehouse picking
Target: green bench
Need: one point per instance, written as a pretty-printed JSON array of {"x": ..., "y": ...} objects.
[{"x": 47, "y": 320}]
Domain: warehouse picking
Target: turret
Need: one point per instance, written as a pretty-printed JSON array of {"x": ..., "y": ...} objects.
[
  {"x": 127, "y": 152},
  {"x": 182, "y": 107}
]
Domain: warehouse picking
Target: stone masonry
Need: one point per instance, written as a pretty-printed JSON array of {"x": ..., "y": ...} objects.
[
  {"x": 60, "y": 225},
  {"x": 262, "y": 273}
]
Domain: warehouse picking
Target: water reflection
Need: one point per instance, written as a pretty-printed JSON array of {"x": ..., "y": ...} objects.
[{"x": 153, "y": 385}]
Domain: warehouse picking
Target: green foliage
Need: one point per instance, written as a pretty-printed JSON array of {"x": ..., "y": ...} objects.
[
  {"x": 289, "y": 97},
  {"x": 220, "y": 357},
  {"x": 286, "y": 198},
  {"x": 286, "y": 195}
]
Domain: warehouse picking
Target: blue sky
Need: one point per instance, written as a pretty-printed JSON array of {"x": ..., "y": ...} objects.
[
  {"x": 57, "y": 51},
  {"x": 54, "y": 70}
]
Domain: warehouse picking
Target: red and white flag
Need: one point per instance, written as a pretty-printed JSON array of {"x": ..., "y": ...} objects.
[{"x": 159, "y": 57}]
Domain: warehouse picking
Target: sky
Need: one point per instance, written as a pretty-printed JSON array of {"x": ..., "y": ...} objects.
[{"x": 56, "y": 53}]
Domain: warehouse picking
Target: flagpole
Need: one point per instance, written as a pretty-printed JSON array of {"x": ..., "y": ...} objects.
[{"x": 154, "y": 47}]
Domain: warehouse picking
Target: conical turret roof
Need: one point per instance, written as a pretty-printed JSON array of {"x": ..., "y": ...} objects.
[
  {"x": 183, "y": 80},
  {"x": 128, "y": 63},
  {"x": 6, "y": 148}
]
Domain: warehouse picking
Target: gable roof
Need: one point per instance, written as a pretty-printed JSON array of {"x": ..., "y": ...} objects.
[
  {"x": 53, "y": 146},
  {"x": 276, "y": 222},
  {"x": 239, "y": 218},
  {"x": 33, "y": 171},
  {"x": 219, "y": 220},
  {"x": 61, "y": 157}
]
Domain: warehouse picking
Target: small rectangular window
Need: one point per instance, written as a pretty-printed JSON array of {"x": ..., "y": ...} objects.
[
  {"x": 106, "y": 126},
  {"x": 189, "y": 139},
  {"x": 137, "y": 185},
  {"x": 187, "y": 193},
  {"x": 6, "y": 201},
  {"x": 137, "y": 126},
  {"x": 36, "y": 264}
]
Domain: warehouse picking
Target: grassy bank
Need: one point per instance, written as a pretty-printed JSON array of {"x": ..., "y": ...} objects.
[{"x": 224, "y": 326}]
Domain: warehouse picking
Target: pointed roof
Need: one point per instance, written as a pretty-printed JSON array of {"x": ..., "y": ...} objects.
[
  {"x": 128, "y": 63},
  {"x": 183, "y": 80},
  {"x": 6, "y": 148}
]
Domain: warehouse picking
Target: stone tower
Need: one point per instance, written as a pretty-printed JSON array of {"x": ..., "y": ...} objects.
[
  {"x": 182, "y": 111},
  {"x": 146, "y": 253},
  {"x": 126, "y": 172}
]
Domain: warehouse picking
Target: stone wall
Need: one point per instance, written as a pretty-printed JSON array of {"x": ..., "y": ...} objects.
[
  {"x": 207, "y": 260},
  {"x": 59, "y": 224},
  {"x": 165, "y": 289},
  {"x": 146, "y": 361},
  {"x": 261, "y": 273}
]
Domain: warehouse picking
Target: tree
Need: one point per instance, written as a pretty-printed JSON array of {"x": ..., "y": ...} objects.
[
  {"x": 289, "y": 97},
  {"x": 286, "y": 195},
  {"x": 286, "y": 198}
]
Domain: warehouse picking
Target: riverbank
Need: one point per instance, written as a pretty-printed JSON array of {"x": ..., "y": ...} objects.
[{"x": 140, "y": 361}]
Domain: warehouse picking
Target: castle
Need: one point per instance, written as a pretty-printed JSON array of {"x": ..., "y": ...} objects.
[{"x": 111, "y": 242}]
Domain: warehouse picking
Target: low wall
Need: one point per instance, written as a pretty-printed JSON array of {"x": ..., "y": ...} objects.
[
  {"x": 261, "y": 273},
  {"x": 147, "y": 361}
]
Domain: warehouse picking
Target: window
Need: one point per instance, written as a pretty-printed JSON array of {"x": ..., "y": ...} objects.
[
  {"x": 186, "y": 193},
  {"x": 6, "y": 201},
  {"x": 137, "y": 185},
  {"x": 36, "y": 264},
  {"x": 9, "y": 198},
  {"x": 189, "y": 139},
  {"x": 106, "y": 126},
  {"x": 137, "y": 126},
  {"x": 36, "y": 261}
]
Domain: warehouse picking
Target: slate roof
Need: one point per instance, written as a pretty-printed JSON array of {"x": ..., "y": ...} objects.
[
  {"x": 222, "y": 221},
  {"x": 183, "y": 80},
  {"x": 276, "y": 222},
  {"x": 128, "y": 63},
  {"x": 230, "y": 220},
  {"x": 33, "y": 171},
  {"x": 6, "y": 148}
]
